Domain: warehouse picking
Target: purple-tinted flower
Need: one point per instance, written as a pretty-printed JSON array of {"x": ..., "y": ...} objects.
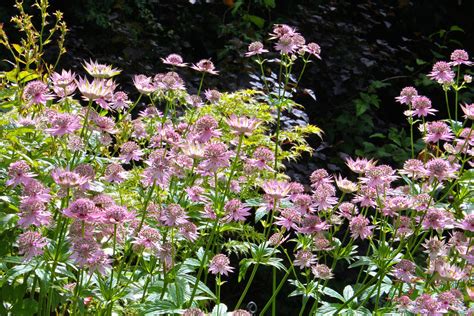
[
  {"x": 312, "y": 224},
  {"x": 63, "y": 123},
  {"x": 467, "y": 223},
  {"x": 86, "y": 252},
  {"x": 212, "y": 95},
  {"x": 115, "y": 173},
  {"x": 255, "y": 48},
  {"x": 460, "y": 57},
  {"x": 440, "y": 169},
  {"x": 442, "y": 73},
  {"x": 101, "y": 71},
  {"x": 324, "y": 196},
  {"x": 413, "y": 168},
  {"x": 205, "y": 65},
  {"x": 404, "y": 270},
  {"x": 31, "y": 244},
  {"x": 436, "y": 219},
  {"x": 35, "y": 191},
  {"x": 67, "y": 179},
  {"x": 304, "y": 259},
  {"x": 194, "y": 311},
  {"x": 468, "y": 110},
  {"x": 220, "y": 264},
  {"x": 120, "y": 101},
  {"x": 216, "y": 156},
  {"x": 313, "y": 49},
  {"x": 366, "y": 197},
  {"x": 436, "y": 131},
  {"x": 169, "y": 81},
  {"x": 347, "y": 210},
  {"x": 378, "y": 176},
  {"x": 19, "y": 173},
  {"x": 130, "y": 151},
  {"x": 276, "y": 189},
  {"x": 236, "y": 211},
  {"x": 174, "y": 60},
  {"x": 144, "y": 84},
  {"x": 287, "y": 44},
  {"x": 205, "y": 128},
  {"x": 36, "y": 92},
  {"x": 281, "y": 29},
  {"x": 242, "y": 125},
  {"x": 83, "y": 209},
  {"x": 406, "y": 95},
  {"x": 421, "y": 106},
  {"x": 158, "y": 170},
  {"x": 117, "y": 215},
  {"x": 99, "y": 90},
  {"x": 427, "y": 305},
  {"x": 359, "y": 165},
  {"x": 33, "y": 213},
  {"x": 290, "y": 218},
  {"x": 435, "y": 248},
  {"x": 322, "y": 271},
  {"x": 194, "y": 101},
  {"x": 360, "y": 228},
  {"x": 189, "y": 231},
  {"x": 173, "y": 215},
  {"x": 148, "y": 238},
  {"x": 64, "y": 83}
]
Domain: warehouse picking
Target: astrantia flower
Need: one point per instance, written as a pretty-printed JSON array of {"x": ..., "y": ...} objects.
[
  {"x": 347, "y": 210},
  {"x": 255, "y": 48},
  {"x": 286, "y": 44},
  {"x": 174, "y": 60},
  {"x": 144, "y": 84},
  {"x": 205, "y": 65},
  {"x": 64, "y": 83},
  {"x": 120, "y": 101},
  {"x": 404, "y": 270},
  {"x": 378, "y": 176},
  {"x": 104, "y": 124},
  {"x": 67, "y": 179},
  {"x": 276, "y": 189},
  {"x": 304, "y": 259},
  {"x": 413, "y": 168},
  {"x": 194, "y": 101},
  {"x": 97, "y": 70},
  {"x": 435, "y": 247},
  {"x": 205, "y": 128},
  {"x": 324, "y": 197},
  {"x": 189, "y": 231},
  {"x": 322, "y": 271},
  {"x": 467, "y": 223},
  {"x": 359, "y": 165},
  {"x": 460, "y": 57},
  {"x": 345, "y": 185},
  {"x": 360, "y": 227},
  {"x": 169, "y": 81},
  {"x": 442, "y": 73},
  {"x": 242, "y": 125},
  {"x": 281, "y": 29},
  {"x": 130, "y": 151},
  {"x": 83, "y": 209},
  {"x": 261, "y": 158},
  {"x": 312, "y": 224},
  {"x": 289, "y": 219},
  {"x": 427, "y": 305},
  {"x": 436, "y": 219},
  {"x": 440, "y": 169},
  {"x": 313, "y": 49},
  {"x": 212, "y": 95},
  {"x": 63, "y": 123},
  {"x": 148, "y": 238},
  {"x": 35, "y": 191},
  {"x": 31, "y": 244},
  {"x": 194, "y": 311},
  {"x": 421, "y": 106},
  {"x": 406, "y": 95},
  {"x": 468, "y": 110},
  {"x": 117, "y": 215},
  {"x": 220, "y": 264},
  {"x": 33, "y": 213},
  {"x": 173, "y": 215},
  {"x": 19, "y": 173},
  {"x": 115, "y": 173},
  {"x": 97, "y": 89},
  {"x": 216, "y": 156},
  {"x": 236, "y": 211},
  {"x": 36, "y": 92},
  {"x": 436, "y": 131}
]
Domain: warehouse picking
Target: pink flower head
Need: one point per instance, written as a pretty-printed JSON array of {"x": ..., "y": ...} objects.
[
  {"x": 406, "y": 95},
  {"x": 255, "y": 48},
  {"x": 421, "y": 106},
  {"x": 242, "y": 125},
  {"x": 324, "y": 196},
  {"x": 33, "y": 213},
  {"x": 36, "y": 92},
  {"x": 194, "y": 101},
  {"x": 67, "y": 179},
  {"x": 460, "y": 57},
  {"x": 189, "y": 231},
  {"x": 281, "y": 29},
  {"x": 174, "y": 60},
  {"x": 345, "y": 185},
  {"x": 288, "y": 44},
  {"x": 359, "y": 165},
  {"x": 83, "y": 209},
  {"x": 216, "y": 156},
  {"x": 144, "y": 84},
  {"x": 435, "y": 247},
  {"x": 276, "y": 189},
  {"x": 360, "y": 228},
  {"x": 169, "y": 81},
  {"x": 100, "y": 71},
  {"x": 96, "y": 90},
  {"x": 130, "y": 151},
  {"x": 404, "y": 270},
  {"x": 442, "y": 73},
  {"x": 289, "y": 219},
  {"x": 220, "y": 263},
  {"x": 425, "y": 304},
  {"x": 304, "y": 259},
  {"x": 115, "y": 173},
  {"x": 413, "y": 168},
  {"x": 436, "y": 219},
  {"x": 205, "y": 128},
  {"x": 148, "y": 238},
  {"x": 378, "y": 176},
  {"x": 467, "y": 223},
  {"x": 313, "y": 49},
  {"x": 19, "y": 173},
  {"x": 195, "y": 193},
  {"x": 173, "y": 215},
  {"x": 64, "y": 83},
  {"x": 212, "y": 95},
  {"x": 35, "y": 191},
  {"x": 440, "y": 169},
  {"x": 120, "y": 101},
  {"x": 205, "y": 66},
  {"x": 347, "y": 210},
  {"x": 193, "y": 311},
  {"x": 261, "y": 158},
  {"x": 468, "y": 110},
  {"x": 236, "y": 211},
  {"x": 312, "y": 224},
  {"x": 117, "y": 215},
  {"x": 104, "y": 124},
  {"x": 436, "y": 131},
  {"x": 322, "y": 271},
  {"x": 31, "y": 244},
  {"x": 63, "y": 123}
]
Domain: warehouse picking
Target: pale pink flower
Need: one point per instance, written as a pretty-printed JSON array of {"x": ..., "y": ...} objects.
[
  {"x": 235, "y": 211},
  {"x": 194, "y": 311},
  {"x": 63, "y": 123},
  {"x": 99, "y": 90},
  {"x": 435, "y": 248},
  {"x": 104, "y": 124},
  {"x": 276, "y": 189},
  {"x": 130, "y": 151},
  {"x": 436, "y": 131},
  {"x": 324, "y": 197},
  {"x": 360, "y": 228},
  {"x": 205, "y": 128},
  {"x": 242, "y": 125},
  {"x": 394, "y": 205},
  {"x": 345, "y": 185},
  {"x": 425, "y": 304},
  {"x": 97, "y": 70},
  {"x": 277, "y": 239},
  {"x": 289, "y": 219},
  {"x": 206, "y": 66},
  {"x": 281, "y": 29},
  {"x": 406, "y": 95},
  {"x": 404, "y": 270},
  {"x": 216, "y": 156},
  {"x": 99, "y": 262},
  {"x": 212, "y": 95},
  {"x": 302, "y": 203},
  {"x": 117, "y": 215},
  {"x": 405, "y": 227},
  {"x": 148, "y": 238},
  {"x": 467, "y": 223},
  {"x": 173, "y": 215},
  {"x": 436, "y": 219},
  {"x": 115, "y": 173},
  {"x": 421, "y": 106},
  {"x": 313, "y": 49},
  {"x": 460, "y": 57},
  {"x": 377, "y": 176},
  {"x": 468, "y": 110},
  {"x": 36, "y": 92},
  {"x": 64, "y": 83},
  {"x": 169, "y": 81},
  {"x": 310, "y": 224},
  {"x": 322, "y": 271},
  {"x": 35, "y": 191},
  {"x": 67, "y": 179},
  {"x": 359, "y": 165},
  {"x": 19, "y": 173},
  {"x": 144, "y": 84},
  {"x": 347, "y": 210},
  {"x": 304, "y": 259},
  {"x": 262, "y": 156},
  {"x": 194, "y": 101},
  {"x": 34, "y": 213},
  {"x": 319, "y": 177},
  {"x": 366, "y": 197},
  {"x": 440, "y": 169},
  {"x": 451, "y": 300},
  {"x": 195, "y": 193},
  {"x": 220, "y": 264},
  {"x": 174, "y": 60},
  {"x": 120, "y": 101},
  {"x": 442, "y": 73},
  {"x": 189, "y": 231},
  {"x": 413, "y": 168},
  {"x": 286, "y": 44},
  {"x": 83, "y": 209},
  {"x": 255, "y": 48},
  {"x": 31, "y": 244}
]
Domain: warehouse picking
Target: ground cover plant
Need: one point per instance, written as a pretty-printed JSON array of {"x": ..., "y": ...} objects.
[{"x": 113, "y": 205}]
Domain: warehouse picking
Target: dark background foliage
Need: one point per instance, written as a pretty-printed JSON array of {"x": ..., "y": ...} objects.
[{"x": 370, "y": 51}]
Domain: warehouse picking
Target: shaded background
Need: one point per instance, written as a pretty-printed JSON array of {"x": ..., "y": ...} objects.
[{"x": 370, "y": 51}]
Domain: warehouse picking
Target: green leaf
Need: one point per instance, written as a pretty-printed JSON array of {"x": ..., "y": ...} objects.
[
  {"x": 269, "y": 3},
  {"x": 258, "y": 21},
  {"x": 456, "y": 28},
  {"x": 348, "y": 292},
  {"x": 331, "y": 293}
]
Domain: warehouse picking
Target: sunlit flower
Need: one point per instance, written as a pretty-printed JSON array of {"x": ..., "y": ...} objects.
[
  {"x": 442, "y": 73},
  {"x": 34, "y": 213},
  {"x": 64, "y": 83},
  {"x": 216, "y": 156},
  {"x": 276, "y": 189},
  {"x": 97, "y": 89},
  {"x": 19, "y": 173},
  {"x": 345, "y": 185},
  {"x": 236, "y": 211},
  {"x": 205, "y": 65},
  {"x": 359, "y": 165},
  {"x": 404, "y": 270},
  {"x": 120, "y": 101},
  {"x": 281, "y": 29},
  {"x": 144, "y": 84},
  {"x": 194, "y": 311},
  {"x": 413, "y": 168},
  {"x": 189, "y": 231},
  {"x": 436, "y": 131},
  {"x": 205, "y": 128},
  {"x": 212, "y": 95},
  {"x": 406, "y": 95},
  {"x": 97, "y": 70},
  {"x": 174, "y": 60},
  {"x": 67, "y": 178},
  {"x": 63, "y": 123},
  {"x": 36, "y": 92},
  {"x": 84, "y": 210},
  {"x": 130, "y": 151},
  {"x": 242, "y": 125},
  {"x": 255, "y": 48},
  {"x": 460, "y": 57},
  {"x": 360, "y": 228},
  {"x": 421, "y": 106},
  {"x": 220, "y": 264},
  {"x": 173, "y": 215},
  {"x": 468, "y": 110},
  {"x": 31, "y": 244},
  {"x": 169, "y": 81},
  {"x": 304, "y": 259},
  {"x": 440, "y": 169},
  {"x": 313, "y": 49}
]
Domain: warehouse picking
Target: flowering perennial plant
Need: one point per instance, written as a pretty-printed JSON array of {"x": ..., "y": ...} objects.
[{"x": 116, "y": 205}]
